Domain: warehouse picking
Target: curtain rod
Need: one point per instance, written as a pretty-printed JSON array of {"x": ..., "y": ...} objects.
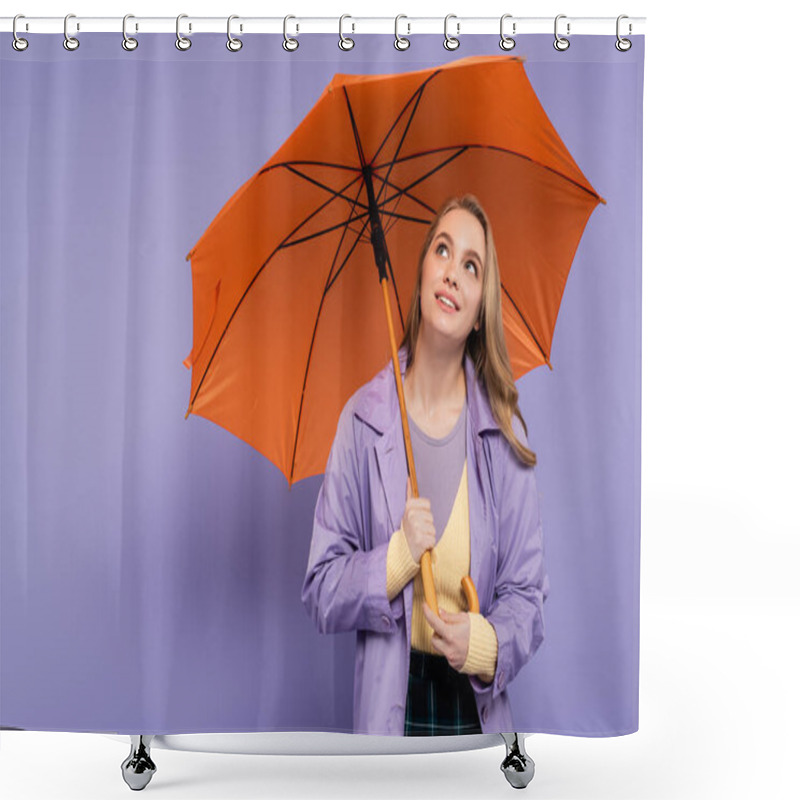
[{"x": 407, "y": 26}]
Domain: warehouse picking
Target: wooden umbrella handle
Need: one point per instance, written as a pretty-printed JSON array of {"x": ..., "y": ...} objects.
[
  {"x": 472, "y": 594},
  {"x": 428, "y": 586},
  {"x": 426, "y": 568},
  {"x": 425, "y": 562}
]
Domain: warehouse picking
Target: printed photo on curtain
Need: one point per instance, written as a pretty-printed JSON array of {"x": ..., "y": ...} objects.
[{"x": 394, "y": 486}]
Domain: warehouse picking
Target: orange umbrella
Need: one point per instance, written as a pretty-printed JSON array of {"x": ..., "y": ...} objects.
[{"x": 289, "y": 319}]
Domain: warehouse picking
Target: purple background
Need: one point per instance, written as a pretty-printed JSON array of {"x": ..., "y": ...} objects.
[{"x": 151, "y": 566}]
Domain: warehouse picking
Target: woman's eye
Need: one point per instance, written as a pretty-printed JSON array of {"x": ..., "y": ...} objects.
[
  {"x": 440, "y": 247},
  {"x": 474, "y": 267}
]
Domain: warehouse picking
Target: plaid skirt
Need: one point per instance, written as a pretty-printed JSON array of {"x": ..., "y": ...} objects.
[{"x": 440, "y": 700}]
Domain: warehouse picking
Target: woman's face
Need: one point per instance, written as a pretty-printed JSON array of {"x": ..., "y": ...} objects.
[{"x": 453, "y": 270}]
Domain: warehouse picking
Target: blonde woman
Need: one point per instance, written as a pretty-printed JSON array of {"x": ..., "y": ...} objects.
[{"x": 418, "y": 674}]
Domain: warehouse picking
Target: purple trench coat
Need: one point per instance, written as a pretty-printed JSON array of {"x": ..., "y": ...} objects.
[{"x": 361, "y": 503}]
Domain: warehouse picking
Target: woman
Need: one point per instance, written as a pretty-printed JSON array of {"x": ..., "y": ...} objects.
[{"x": 416, "y": 673}]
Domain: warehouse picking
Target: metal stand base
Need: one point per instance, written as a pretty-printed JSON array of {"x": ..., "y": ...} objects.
[
  {"x": 518, "y": 766},
  {"x": 138, "y": 768}
]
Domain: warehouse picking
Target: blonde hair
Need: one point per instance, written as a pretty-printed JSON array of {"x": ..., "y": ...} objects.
[{"x": 487, "y": 345}]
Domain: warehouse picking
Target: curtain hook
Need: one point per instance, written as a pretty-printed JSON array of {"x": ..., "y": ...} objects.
[
  {"x": 128, "y": 42},
  {"x": 70, "y": 42},
  {"x": 561, "y": 43},
  {"x": 289, "y": 43},
  {"x": 451, "y": 42},
  {"x": 233, "y": 44},
  {"x": 181, "y": 42},
  {"x": 623, "y": 44},
  {"x": 344, "y": 42},
  {"x": 507, "y": 42},
  {"x": 400, "y": 42},
  {"x": 18, "y": 43}
]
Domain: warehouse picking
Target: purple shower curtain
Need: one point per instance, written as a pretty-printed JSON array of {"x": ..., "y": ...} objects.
[{"x": 151, "y": 566}]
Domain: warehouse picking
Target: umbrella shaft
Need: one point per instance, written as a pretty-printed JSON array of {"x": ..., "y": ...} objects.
[{"x": 378, "y": 239}]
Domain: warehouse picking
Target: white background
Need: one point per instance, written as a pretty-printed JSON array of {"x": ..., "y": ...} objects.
[{"x": 720, "y": 600}]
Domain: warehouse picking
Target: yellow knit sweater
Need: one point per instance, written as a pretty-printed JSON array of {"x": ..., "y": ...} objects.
[{"x": 450, "y": 561}]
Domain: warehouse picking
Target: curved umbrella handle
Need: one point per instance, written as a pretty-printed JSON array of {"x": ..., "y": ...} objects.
[
  {"x": 428, "y": 586},
  {"x": 472, "y": 594}
]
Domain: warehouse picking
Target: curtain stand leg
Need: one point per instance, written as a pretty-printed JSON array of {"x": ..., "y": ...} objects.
[
  {"x": 518, "y": 766},
  {"x": 138, "y": 768}
]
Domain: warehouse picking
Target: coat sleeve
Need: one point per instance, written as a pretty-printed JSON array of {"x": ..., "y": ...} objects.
[
  {"x": 521, "y": 584},
  {"x": 345, "y": 583}
]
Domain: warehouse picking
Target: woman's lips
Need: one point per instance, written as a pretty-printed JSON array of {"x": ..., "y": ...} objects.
[{"x": 445, "y": 307}]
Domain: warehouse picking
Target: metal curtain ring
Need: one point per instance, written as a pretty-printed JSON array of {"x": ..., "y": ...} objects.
[
  {"x": 344, "y": 42},
  {"x": 70, "y": 42},
  {"x": 400, "y": 42},
  {"x": 289, "y": 43},
  {"x": 507, "y": 42},
  {"x": 18, "y": 43},
  {"x": 128, "y": 42},
  {"x": 181, "y": 42},
  {"x": 451, "y": 42},
  {"x": 233, "y": 44},
  {"x": 623, "y": 44},
  {"x": 560, "y": 43}
]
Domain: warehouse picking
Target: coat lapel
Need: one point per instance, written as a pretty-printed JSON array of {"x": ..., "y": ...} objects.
[
  {"x": 481, "y": 533},
  {"x": 391, "y": 457},
  {"x": 477, "y": 513}
]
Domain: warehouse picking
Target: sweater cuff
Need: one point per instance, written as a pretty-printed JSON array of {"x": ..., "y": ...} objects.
[
  {"x": 400, "y": 564},
  {"x": 482, "y": 652}
]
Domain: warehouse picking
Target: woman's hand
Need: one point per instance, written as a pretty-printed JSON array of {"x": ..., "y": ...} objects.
[
  {"x": 417, "y": 524},
  {"x": 450, "y": 635}
]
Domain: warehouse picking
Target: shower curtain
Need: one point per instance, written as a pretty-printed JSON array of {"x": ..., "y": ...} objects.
[{"x": 157, "y": 569}]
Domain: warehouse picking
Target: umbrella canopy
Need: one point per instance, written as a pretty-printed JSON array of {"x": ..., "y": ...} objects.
[{"x": 289, "y": 314}]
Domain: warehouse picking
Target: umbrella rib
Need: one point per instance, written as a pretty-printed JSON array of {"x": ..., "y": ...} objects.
[
  {"x": 391, "y": 214},
  {"x": 524, "y": 321},
  {"x": 393, "y": 217},
  {"x": 334, "y": 192},
  {"x": 465, "y": 147},
  {"x": 355, "y": 129},
  {"x": 335, "y": 195},
  {"x": 426, "y": 175},
  {"x": 415, "y": 98},
  {"x": 269, "y": 167},
  {"x": 417, "y": 94},
  {"x": 314, "y": 334},
  {"x": 386, "y": 213},
  {"x": 430, "y": 152},
  {"x": 279, "y": 247},
  {"x": 344, "y": 263},
  {"x": 345, "y": 223},
  {"x": 340, "y": 194},
  {"x": 323, "y": 231},
  {"x": 317, "y": 211},
  {"x": 399, "y": 193}
]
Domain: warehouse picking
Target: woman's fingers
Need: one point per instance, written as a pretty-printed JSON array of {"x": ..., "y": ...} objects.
[
  {"x": 422, "y": 519},
  {"x": 438, "y": 625},
  {"x": 416, "y": 502},
  {"x": 417, "y": 523}
]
